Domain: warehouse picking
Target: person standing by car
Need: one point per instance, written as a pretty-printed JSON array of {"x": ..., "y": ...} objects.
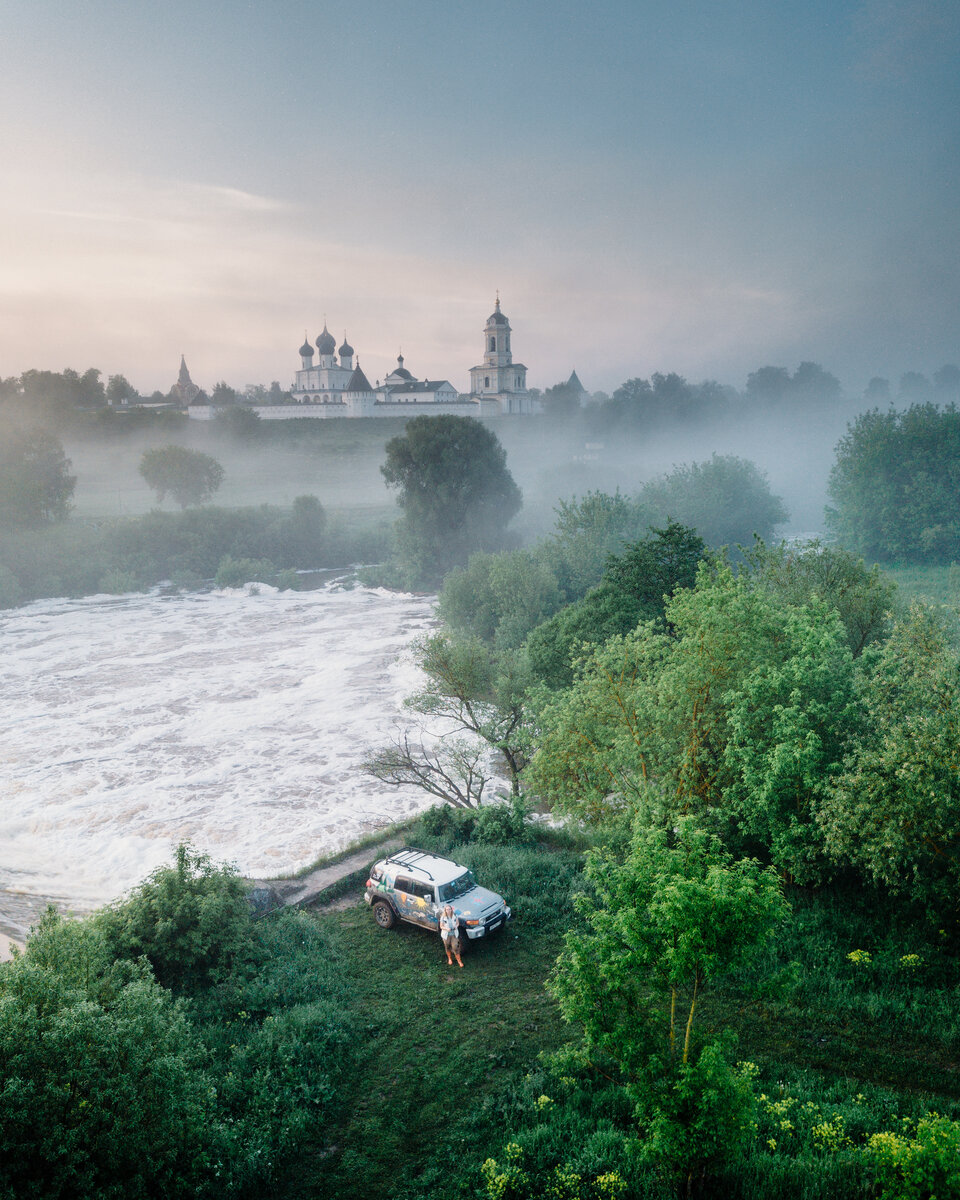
[{"x": 450, "y": 933}]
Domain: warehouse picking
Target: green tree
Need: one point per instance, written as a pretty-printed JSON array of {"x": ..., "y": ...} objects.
[
  {"x": 239, "y": 422},
  {"x": 562, "y": 401},
  {"x": 588, "y": 529},
  {"x": 797, "y": 572},
  {"x": 191, "y": 921},
  {"x": 634, "y": 588},
  {"x": 223, "y": 395},
  {"x": 726, "y": 500},
  {"x": 455, "y": 491},
  {"x": 894, "y": 809},
  {"x": 472, "y": 690},
  {"x": 189, "y": 476},
  {"x": 121, "y": 391},
  {"x": 35, "y": 480},
  {"x": 104, "y": 1094},
  {"x": 499, "y": 597},
  {"x": 659, "y": 926},
  {"x": 895, "y": 485},
  {"x": 303, "y": 534},
  {"x": 739, "y": 716}
]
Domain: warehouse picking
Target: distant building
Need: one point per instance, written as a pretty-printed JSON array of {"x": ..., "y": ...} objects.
[
  {"x": 577, "y": 389},
  {"x": 342, "y": 390},
  {"x": 499, "y": 385},
  {"x": 325, "y": 387},
  {"x": 184, "y": 391}
]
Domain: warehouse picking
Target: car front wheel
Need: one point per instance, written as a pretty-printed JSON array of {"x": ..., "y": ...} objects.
[{"x": 383, "y": 914}]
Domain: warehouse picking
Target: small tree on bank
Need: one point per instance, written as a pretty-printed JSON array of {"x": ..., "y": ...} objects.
[
  {"x": 188, "y": 476},
  {"x": 35, "y": 480},
  {"x": 660, "y": 926}
]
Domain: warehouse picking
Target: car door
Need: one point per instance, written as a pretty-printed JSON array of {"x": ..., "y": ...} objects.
[
  {"x": 406, "y": 898},
  {"x": 424, "y": 908}
]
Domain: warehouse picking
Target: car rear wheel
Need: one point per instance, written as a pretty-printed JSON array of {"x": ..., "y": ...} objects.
[{"x": 383, "y": 914}]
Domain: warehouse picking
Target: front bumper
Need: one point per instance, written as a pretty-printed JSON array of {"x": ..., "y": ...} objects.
[{"x": 491, "y": 926}]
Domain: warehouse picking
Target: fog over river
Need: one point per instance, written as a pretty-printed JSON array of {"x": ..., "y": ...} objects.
[{"x": 234, "y": 719}]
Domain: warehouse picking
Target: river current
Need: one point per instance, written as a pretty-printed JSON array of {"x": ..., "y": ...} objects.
[{"x": 237, "y": 720}]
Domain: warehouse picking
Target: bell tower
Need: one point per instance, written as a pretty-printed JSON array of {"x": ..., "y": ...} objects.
[{"x": 499, "y": 383}]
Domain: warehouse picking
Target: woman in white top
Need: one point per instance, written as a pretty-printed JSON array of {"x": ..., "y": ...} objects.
[{"x": 450, "y": 933}]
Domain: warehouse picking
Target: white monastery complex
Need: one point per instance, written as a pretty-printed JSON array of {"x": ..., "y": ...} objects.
[{"x": 331, "y": 383}]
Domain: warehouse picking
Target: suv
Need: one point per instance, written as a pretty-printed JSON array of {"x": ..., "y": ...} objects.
[{"x": 413, "y": 886}]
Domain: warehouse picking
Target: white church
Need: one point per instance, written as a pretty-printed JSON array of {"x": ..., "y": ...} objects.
[{"x": 331, "y": 383}]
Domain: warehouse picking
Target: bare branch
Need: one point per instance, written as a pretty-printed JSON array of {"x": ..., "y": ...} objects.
[{"x": 451, "y": 771}]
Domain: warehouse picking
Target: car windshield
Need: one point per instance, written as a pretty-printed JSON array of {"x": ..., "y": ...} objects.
[{"x": 457, "y": 887}]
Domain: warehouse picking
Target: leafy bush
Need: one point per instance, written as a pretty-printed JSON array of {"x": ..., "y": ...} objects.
[
  {"x": 191, "y": 921},
  {"x": 104, "y": 1090},
  {"x": 235, "y": 572},
  {"x": 501, "y": 824}
]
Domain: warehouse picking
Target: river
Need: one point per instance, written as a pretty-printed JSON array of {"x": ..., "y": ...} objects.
[{"x": 237, "y": 720}]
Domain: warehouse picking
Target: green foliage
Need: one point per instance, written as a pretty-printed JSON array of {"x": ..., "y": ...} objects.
[
  {"x": 587, "y": 531},
  {"x": 483, "y": 693},
  {"x": 894, "y": 810},
  {"x": 634, "y": 588},
  {"x": 499, "y": 597},
  {"x": 104, "y": 1092},
  {"x": 895, "y": 485},
  {"x": 237, "y": 422},
  {"x": 190, "y": 920},
  {"x": 59, "y": 395},
  {"x": 189, "y": 476},
  {"x": 35, "y": 483},
  {"x": 455, "y": 490},
  {"x": 235, "y": 572},
  {"x": 662, "y": 924},
  {"x": 726, "y": 500},
  {"x": 795, "y": 574},
  {"x": 502, "y": 824},
  {"x": 739, "y": 716},
  {"x": 918, "y": 1166}
]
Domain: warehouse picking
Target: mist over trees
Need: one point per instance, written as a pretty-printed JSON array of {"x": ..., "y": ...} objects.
[
  {"x": 35, "y": 480},
  {"x": 895, "y": 485},
  {"x": 455, "y": 490},
  {"x": 189, "y": 476}
]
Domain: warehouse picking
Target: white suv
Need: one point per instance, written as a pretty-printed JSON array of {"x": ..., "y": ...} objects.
[{"x": 413, "y": 886}]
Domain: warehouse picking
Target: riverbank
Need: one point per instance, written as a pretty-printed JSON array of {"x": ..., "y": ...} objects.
[{"x": 6, "y": 947}]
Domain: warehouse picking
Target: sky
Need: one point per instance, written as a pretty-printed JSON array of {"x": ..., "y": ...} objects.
[{"x": 651, "y": 185}]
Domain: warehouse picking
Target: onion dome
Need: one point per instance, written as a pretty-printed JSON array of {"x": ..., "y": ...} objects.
[
  {"x": 306, "y": 350},
  {"x": 346, "y": 349},
  {"x": 326, "y": 342}
]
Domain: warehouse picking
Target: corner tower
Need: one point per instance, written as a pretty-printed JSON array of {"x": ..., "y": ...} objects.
[{"x": 498, "y": 383}]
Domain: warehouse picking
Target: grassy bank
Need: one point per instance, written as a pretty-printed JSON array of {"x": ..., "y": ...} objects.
[
  {"x": 444, "y": 1050},
  {"x": 449, "y": 1070}
]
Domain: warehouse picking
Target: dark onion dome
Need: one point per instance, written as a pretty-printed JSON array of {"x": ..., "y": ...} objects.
[
  {"x": 497, "y": 317},
  {"x": 346, "y": 348},
  {"x": 306, "y": 350},
  {"x": 326, "y": 342},
  {"x": 400, "y": 371}
]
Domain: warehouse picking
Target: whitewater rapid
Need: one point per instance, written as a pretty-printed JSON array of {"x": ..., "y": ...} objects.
[{"x": 237, "y": 720}]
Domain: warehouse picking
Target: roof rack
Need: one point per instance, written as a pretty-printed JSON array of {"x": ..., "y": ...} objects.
[{"x": 408, "y": 858}]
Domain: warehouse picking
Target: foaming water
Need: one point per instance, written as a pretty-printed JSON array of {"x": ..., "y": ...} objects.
[{"x": 237, "y": 720}]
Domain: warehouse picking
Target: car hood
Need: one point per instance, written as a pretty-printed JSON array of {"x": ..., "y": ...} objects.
[{"x": 477, "y": 903}]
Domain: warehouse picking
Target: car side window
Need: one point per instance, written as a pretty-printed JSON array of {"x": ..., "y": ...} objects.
[{"x": 404, "y": 885}]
